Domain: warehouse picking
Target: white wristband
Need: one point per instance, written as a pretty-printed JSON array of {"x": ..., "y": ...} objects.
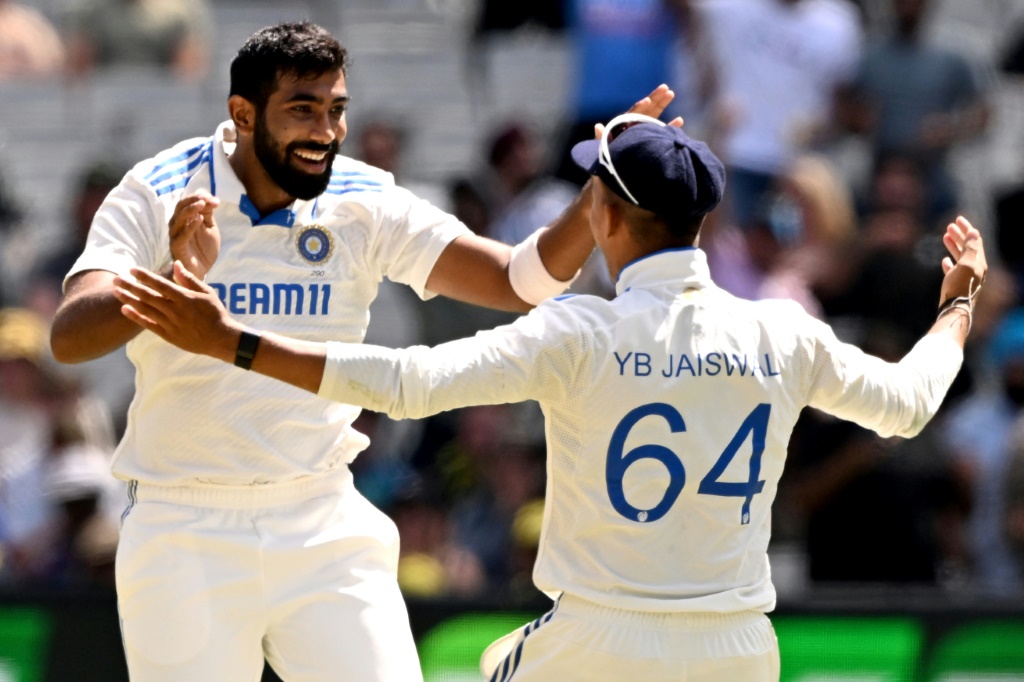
[{"x": 529, "y": 278}]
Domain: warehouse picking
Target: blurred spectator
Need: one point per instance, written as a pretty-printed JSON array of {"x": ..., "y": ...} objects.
[
  {"x": 490, "y": 468},
  {"x": 780, "y": 64},
  {"x": 894, "y": 252},
  {"x": 27, "y": 395},
  {"x": 30, "y": 46},
  {"x": 41, "y": 415},
  {"x": 621, "y": 50},
  {"x": 1012, "y": 59},
  {"x": 522, "y": 197},
  {"x": 1009, "y": 233},
  {"x": 916, "y": 100},
  {"x": 381, "y": 142},
  {"x": 430, "y": 564},
  {"x": 95, "y": 180},
  {"x": 525, "y": 543},
  {"x": 76, "y": 548},
  {"x": 10, "y": 220},
  {"x": 507, "y": 200},
  {"x": 1013, "y": 523},
  {"x": 802, "y": 227},
  {"x": 111, "y": 378},
  {"x": 877, "y": 510},
  {"x": 980, "y": 432},
  {"x": 893, "y": 255},
  {"x": 469, "y": 206},
  {"x": 167, "y": 34}
]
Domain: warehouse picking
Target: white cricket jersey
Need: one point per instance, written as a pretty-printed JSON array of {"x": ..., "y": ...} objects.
[
  {"x": 309, "y": 271},
  {"x": 668, "y": 413}
]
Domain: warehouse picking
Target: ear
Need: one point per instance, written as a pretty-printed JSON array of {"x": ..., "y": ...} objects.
[
  {"x": 615, "y": 223},
  {"x": 243, "y": 114}
]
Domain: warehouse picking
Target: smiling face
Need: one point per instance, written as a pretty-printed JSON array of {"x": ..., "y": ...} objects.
[{"x": 297, "y": 134}]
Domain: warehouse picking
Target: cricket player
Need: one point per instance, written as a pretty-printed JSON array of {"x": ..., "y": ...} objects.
[
  {"x": 668, "y": 412},
  {"x": 244, "y": 538}
]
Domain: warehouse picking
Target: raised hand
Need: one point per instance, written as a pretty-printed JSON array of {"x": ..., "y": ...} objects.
[
  {"x": 965, "y": 267},
  {"x": 653, "y": 105},
  {"x": 195, "y": 238},
  {"x": 186, "y": 312}
]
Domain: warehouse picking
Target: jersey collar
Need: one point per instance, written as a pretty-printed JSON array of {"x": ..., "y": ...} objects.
[
  {"x": 687, "y": 265},
  {"x": 226, "y": 186}
]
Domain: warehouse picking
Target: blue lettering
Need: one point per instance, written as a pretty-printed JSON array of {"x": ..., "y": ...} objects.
[
  {"x": 742, "y": 367},
  {"x": 237, "y": 299},
  {"x": 667, "y": 372},
  {"x": 768, "y": 364},
  {"x": 714, "y": 363},
  {"x": 638, "y": 363},
  {"x": 285, "y": 293},
  {"x": 685, "y": 364},
  {"x": 326, "y": 288},
  {"x": 259, "y": 298},
  {"x": 622, "y": 361}
]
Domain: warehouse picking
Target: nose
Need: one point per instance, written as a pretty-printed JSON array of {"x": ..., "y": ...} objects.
[{"x": 324, "y": 130}]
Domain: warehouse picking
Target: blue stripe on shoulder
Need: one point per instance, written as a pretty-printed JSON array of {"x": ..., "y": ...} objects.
[
  {"x": 167, "y": 164},
  {"x": 182, "y": 175},
  {"x": 564, "y": 296},
  {"x": 349, "y": 188},
  {"x": 337, "y": 180}
]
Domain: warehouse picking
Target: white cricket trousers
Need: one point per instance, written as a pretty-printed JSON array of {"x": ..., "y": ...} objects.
[
  {"x": 580, "y": 640},
  {"x": 213, "y": 579}
]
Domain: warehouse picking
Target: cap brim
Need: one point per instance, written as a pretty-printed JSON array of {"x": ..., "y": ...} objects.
[{"x": 585, "y": 154}]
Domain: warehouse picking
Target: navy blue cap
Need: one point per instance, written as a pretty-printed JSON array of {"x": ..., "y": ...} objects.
[{"x": 667, "y": 171}]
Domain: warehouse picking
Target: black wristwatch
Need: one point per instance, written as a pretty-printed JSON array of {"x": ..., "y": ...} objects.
[{"x": 248, "y": 342}]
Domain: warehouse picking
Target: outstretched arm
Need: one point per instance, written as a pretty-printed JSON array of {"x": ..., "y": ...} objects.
[
  {"x": 474, "y": 269},
  {"x": 404, "y": 383},
  {"x": 898, "y": 399},
  {"x": 188, "y": 314}
]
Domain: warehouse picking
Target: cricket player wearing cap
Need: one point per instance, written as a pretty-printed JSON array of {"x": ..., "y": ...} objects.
[{"x": 668, "y": 412}]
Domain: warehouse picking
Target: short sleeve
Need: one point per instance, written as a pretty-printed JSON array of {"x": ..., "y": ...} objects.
[
  {"x": 125, "y": 233},
  {"x": 413, "y": 233}
]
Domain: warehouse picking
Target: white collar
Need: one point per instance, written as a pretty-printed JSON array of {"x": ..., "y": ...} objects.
[{"x": 688, "y": 266}]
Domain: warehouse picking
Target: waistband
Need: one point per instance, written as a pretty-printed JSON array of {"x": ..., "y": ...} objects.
[
  {"x": 251, "y": 496},
  {"x": 704, "y": 621}
]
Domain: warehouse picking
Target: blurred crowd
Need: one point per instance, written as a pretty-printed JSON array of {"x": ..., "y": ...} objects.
[{"x": 779, "y": 88}]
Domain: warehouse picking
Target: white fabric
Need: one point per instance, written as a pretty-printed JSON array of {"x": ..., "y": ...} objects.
[
  {"x": 779, "y": 65},
  {"x": 526, "y": 272},
  {"x": 194, "y": 419},
  {"x": 207, "y": 591},
  {"x": 727, "y": 372},
  {"x": 579, "y": 640}
]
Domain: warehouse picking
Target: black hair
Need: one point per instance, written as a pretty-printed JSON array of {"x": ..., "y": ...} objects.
[
  {"x": 654, "y": 231},
  {"x": 302, "y": 49}
]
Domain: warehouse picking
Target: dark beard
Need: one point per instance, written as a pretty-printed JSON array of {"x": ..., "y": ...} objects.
[{"x": 295, "y": 182}]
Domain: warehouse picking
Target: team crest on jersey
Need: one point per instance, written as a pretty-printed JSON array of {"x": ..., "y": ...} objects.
[{"x": 314, "y": 244}]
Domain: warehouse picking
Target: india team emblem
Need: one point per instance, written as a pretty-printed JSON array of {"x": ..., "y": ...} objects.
[{"x": 314, "y": 244}]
